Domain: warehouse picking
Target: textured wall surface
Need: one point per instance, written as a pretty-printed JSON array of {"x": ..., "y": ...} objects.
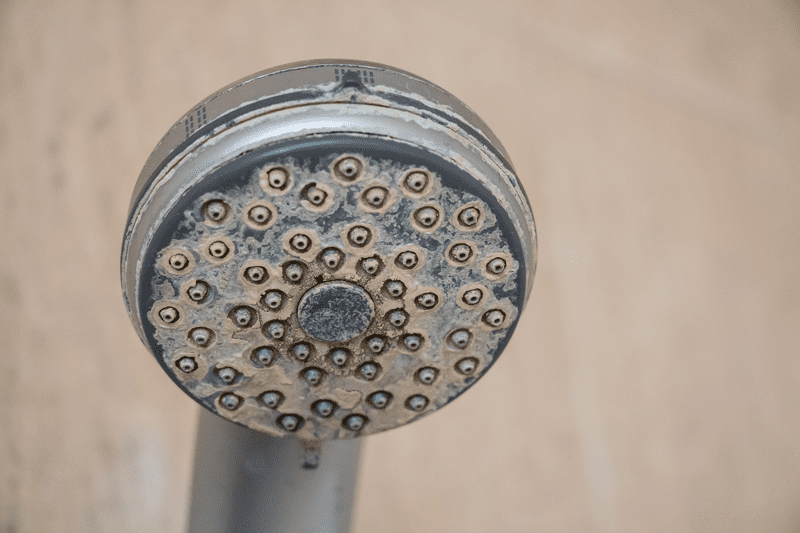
[{"x": 655, "y": 382}]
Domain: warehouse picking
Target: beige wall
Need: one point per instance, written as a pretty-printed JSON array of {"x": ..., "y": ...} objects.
[{"x": 654, "y": 385}]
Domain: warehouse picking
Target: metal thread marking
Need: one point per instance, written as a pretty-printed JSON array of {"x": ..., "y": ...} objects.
[
  {"x": 364, "y": 76},
  {"x": 194, "y": 120}
]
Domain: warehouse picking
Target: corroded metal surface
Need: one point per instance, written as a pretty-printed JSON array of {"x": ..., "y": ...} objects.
[
  {"x": 329, "y": 259},
  {"x": 355, "y": 311}
]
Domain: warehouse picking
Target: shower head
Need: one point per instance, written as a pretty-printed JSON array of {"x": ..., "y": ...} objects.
[{"x": 327, "y": 249}]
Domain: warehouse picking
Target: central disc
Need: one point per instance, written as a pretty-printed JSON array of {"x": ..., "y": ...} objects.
[{"x": 335, "y": 311}]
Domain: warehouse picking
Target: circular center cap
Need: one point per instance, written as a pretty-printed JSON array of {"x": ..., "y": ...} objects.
[{"x": 335, "y": 311}]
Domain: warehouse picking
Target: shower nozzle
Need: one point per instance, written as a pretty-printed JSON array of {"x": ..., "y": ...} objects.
[{"x": 327, "y": 250}]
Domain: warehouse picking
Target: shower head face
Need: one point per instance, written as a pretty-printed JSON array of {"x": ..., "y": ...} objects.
[{"x": 329, "y": 280}]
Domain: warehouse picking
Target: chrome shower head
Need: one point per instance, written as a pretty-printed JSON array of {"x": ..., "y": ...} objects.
[{"x": 327, "y": 249}]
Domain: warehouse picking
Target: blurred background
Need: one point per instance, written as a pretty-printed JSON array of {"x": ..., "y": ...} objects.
[{"x": 654, "y": 383}]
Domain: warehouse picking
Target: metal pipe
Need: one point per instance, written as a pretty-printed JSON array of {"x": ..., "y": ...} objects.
[{"x": 246, "y": 482}]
